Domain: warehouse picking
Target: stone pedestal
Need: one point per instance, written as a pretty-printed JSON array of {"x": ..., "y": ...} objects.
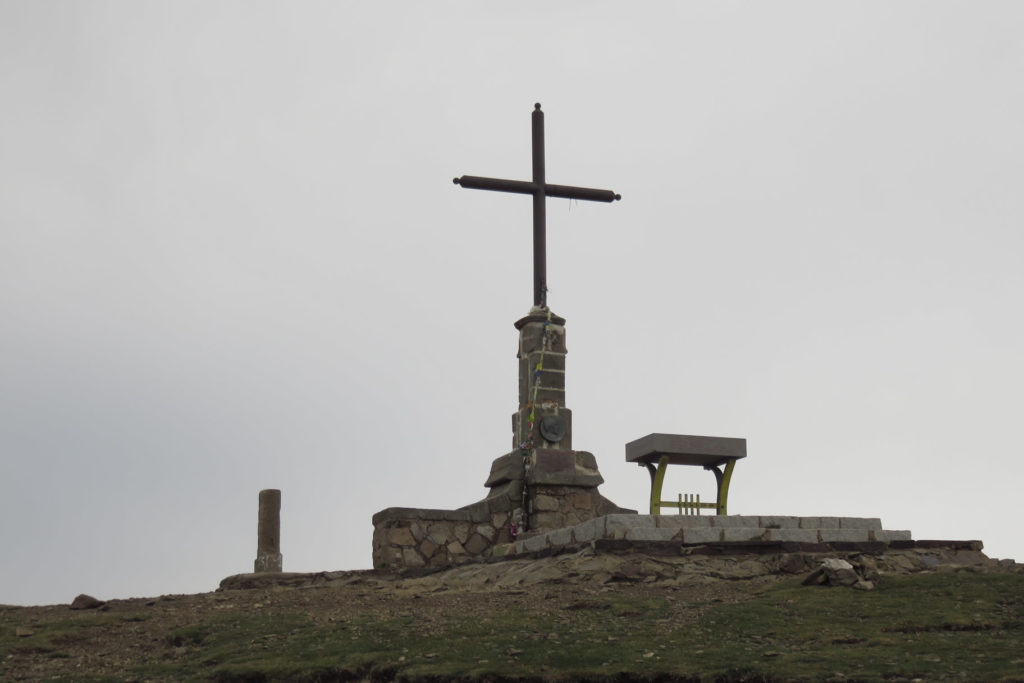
[
  {"x": 550, "y": 488},
  {"x": 560, "y": 484},
  {"x": 542, "y": 419},
  {"x": 541, "y": 484}
]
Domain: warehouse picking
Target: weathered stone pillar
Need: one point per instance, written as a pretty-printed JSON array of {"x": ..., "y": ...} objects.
[
  {"x": 268, "y": 533},
  {"x": 541, "y": 484},
  {"x": 541, "y": 357},
  {"x": 551, "y": 484}
]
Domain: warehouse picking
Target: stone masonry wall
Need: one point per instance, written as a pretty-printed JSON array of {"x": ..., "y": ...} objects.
[
  {"x": 409, "y": 538},
  {"x": 412, "y": 537},
  {"x": 556, "y": 507}
]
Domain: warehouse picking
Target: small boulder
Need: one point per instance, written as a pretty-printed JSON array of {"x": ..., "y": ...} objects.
[
  {"x": 835, "y": 564},
  {"x": 837, "y": 572},
  {"x": 842, "y": 577},
  {"x": 816, "y": 578},
  {"x": 84, "y": 601},
  {"x": 792, "y": 563}
]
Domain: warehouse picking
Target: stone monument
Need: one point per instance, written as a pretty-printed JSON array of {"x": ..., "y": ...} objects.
[
  {"x": 268, "y": 533},
  {"x": 542, "y": 483}
]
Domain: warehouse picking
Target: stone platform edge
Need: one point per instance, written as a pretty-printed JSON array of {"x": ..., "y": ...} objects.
[
  {"x": 734, "y": 548},
  {"x": 806, "y": 533}
]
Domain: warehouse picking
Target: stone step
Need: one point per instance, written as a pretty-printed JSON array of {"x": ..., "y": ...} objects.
[{"x": 702, "y": 529}]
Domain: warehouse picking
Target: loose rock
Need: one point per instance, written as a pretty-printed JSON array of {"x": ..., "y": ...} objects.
[
  {"x": 84, "y": 601},
  {"x": 837, "y": 572}
]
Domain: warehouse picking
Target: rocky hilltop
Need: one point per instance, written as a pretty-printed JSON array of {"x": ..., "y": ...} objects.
[{"x": 616, "y": 611}]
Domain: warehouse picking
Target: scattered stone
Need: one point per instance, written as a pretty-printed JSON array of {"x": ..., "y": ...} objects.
[
  {"x": 867, "y": 567},
  {"x": 23, "y": 632},
  {"x": 838, "y": 572},
  {"x": 835, "y": 564},
  {"x": 84, "y": 601},
  {"x": 793, "y": 563}
]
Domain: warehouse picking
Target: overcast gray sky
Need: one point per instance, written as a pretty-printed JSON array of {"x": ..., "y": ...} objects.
[{"x": 232, "y": 258}]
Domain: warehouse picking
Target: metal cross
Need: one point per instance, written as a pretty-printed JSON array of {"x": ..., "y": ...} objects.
[{"x": 540, "y": 191}]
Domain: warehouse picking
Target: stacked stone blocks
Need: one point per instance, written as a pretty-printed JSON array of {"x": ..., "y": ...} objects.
[
  {"x": 700, "y": 530},
  {"x": 541, "y": 342}
]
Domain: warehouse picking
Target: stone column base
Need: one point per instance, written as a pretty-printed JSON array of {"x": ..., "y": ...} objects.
[{"x": 268, "y": 562}]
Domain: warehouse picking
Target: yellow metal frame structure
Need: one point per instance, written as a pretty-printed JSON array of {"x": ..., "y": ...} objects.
[{"x": 691, "y": 505}]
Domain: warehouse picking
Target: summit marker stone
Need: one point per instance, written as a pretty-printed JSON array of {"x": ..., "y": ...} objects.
[{"x": 268, "y": 533}]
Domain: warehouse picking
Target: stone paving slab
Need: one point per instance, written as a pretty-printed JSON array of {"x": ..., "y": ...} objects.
[
  {"x": 792, "y": 535},
  {"x": 691, "y": 536},
  {"x": 848, "y": 535},
  {"x": 590, "y": 530},
  {"x": 649, "y": 534},
  {"x": 725, "y": 530},
  {"x": 727, "y": 521},
  {"x": 872, "y": 523},
  {"x": 775, "y": 522},
  {"x": 683, "y": 521},
  {"x": 743, "y": 533}
]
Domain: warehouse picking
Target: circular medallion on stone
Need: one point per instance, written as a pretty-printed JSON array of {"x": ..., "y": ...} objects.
[{"x": 552, "y": 428}]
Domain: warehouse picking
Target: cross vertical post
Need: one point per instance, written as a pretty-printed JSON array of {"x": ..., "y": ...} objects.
[
  {"x": 540, "y": 248},
  {"x": 541, "y": 190}
]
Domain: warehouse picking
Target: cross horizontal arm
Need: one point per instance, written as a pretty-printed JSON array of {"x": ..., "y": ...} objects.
[
  {"x": 474, "y": 182},
  {"x": 523, "y": 187},
  {"x": 570, "y": 192}
]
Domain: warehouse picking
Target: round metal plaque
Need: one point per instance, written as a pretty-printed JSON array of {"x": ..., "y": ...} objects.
[{"x": 552, "y": 428}]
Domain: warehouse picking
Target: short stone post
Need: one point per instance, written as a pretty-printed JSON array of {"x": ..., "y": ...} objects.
[{"x": 268, "y": 541}]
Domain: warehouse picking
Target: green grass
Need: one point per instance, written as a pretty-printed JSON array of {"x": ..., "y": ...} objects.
[
  {"x": 962, "y": 626},
  {"x": 929, "y": 627},
  {"x": 52, "y": 638},
  {"x": 49, "y": 637}
]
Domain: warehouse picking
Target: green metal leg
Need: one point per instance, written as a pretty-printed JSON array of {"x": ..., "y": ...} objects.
[
  {"x": 657, "y": 480},
  {"x": 723, "y": 487}
]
